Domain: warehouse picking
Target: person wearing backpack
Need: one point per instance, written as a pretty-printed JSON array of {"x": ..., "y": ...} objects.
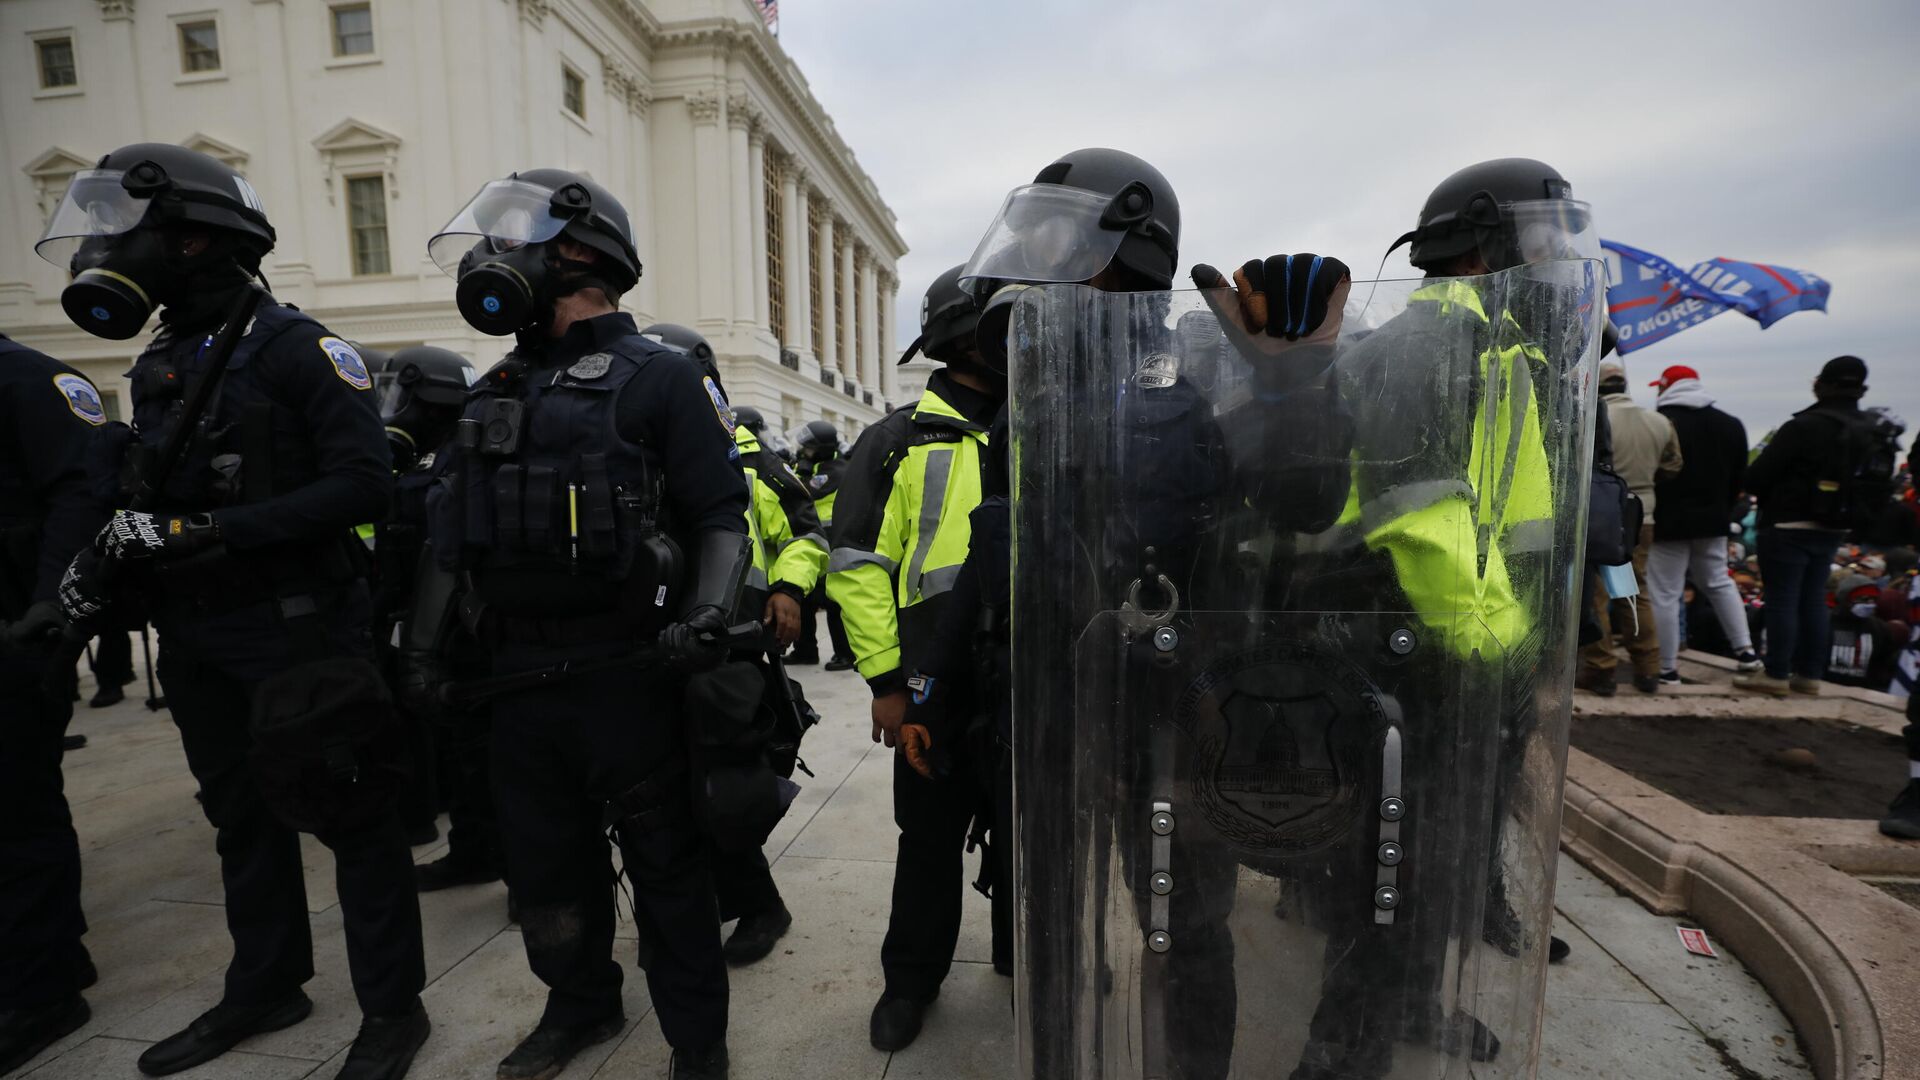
[{"x": 1818, "y": 474}]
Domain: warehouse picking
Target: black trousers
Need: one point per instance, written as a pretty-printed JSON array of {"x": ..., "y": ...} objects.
[
  {"x": 929, "y": 878},
  {"x": 808, "y": 643},
  {"x": 743, "y": 883},
  {"x": 113, "y": 657},
  {"x": 466, "y": 777},
  {"x": 260, "y": 860},
  {"x": 40, "y": 918},
  {"x": 558, "y": 756}
]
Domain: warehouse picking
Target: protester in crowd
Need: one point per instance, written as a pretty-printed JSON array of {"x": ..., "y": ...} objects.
[
  {"x": 1806, "y": 484},
  {"x": 1645, "y": 448},
  {"x": 1862, "y": 645},
  {"x": 1690, "y": 537}
]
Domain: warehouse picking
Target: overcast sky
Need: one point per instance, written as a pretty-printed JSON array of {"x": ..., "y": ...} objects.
[{"x": 1772, "y": 132}]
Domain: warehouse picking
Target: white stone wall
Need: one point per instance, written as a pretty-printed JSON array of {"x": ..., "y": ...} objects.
[{"x": 685, "y": 101}]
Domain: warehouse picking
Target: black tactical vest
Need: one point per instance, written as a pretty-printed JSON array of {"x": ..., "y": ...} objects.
[
  {"x": 249, "y": 446},
  {"x": 554, "y": 512}
]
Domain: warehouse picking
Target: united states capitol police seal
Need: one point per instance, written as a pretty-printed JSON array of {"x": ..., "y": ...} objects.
[{"x": 591, "y": 366}]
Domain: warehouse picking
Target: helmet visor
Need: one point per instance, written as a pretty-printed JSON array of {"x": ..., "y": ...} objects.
[
  {"x": 505, "y": 215},
  {"x": 1046, "y": 233},
  {"x": 399, "y": 387},
  {"x": 1547, "y": 230},
  {"x": 95, "y": 205}
]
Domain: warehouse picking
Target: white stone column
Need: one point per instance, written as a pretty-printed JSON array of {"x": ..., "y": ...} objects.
[
  {"x": 739, "y": 161},
  {"x": 711, "y": 220},
  {"x": 889, "y": 336},
  {"x": 290, "y": 267},
  {"x": 829, "y": 272},
  {"x": 640, "y": 204},
  {"x": 869, "y": 324},
  {"x": 793, "y": 196},
  {"x": 848, "y": 360},
  {"x": 757, "y": 181}
]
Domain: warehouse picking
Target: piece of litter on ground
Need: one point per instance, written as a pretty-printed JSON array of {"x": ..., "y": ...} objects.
[{"x": 1695, "y": 942}]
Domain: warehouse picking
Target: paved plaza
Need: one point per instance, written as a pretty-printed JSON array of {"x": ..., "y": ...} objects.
[{"x": 1628, "y": 1003}]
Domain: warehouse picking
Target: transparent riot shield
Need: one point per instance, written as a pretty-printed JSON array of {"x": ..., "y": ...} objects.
[{"x": 1294, "y": 639}]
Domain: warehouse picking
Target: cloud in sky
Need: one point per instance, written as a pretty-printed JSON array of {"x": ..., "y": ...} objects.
[{"x": 1777, "y": 132}]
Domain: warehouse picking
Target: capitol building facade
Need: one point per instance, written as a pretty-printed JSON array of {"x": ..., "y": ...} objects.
[{"x": 365, "y": 124}]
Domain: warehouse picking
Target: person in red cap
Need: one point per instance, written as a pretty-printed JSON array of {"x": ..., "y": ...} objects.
[{"x": 1696, "y": 505}]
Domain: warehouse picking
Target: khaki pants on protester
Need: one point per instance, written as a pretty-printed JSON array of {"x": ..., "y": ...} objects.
[
  {"x": 1670, "y": 565},
  {"x": 1643, "y": 641}
]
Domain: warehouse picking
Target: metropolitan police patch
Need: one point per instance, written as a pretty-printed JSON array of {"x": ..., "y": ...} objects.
[
  {"x": 81, "y": 397},
  {"x": 720, "y": 407},
  {"x": 591, "y": 366},
  {"x": 346, "y": 363}
]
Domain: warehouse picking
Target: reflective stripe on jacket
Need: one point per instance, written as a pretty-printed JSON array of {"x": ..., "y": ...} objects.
[
  {"x": 789, "y": 545},
  {"x": 902, "y": 530}
]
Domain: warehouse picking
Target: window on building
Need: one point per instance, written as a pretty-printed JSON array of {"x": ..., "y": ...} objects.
[
  {"x": 815, "y": 296},
  {"x": 839, "y": 308},
  {"x": 56, "y": 63},
  {"x": 199, "y": 46},
  {"x": 352, "y": 29},
  {"x": 367, "y": 224},
  {"x": 573, "y": 92},
  {"x": 776, "y": 216}
]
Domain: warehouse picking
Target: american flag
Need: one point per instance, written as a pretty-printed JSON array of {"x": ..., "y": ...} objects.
[{"x": 770, "y": 11}]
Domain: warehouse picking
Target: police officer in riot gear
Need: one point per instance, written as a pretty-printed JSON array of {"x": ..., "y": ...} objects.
[
  {"x": 1196, "y": 461},
  {"x": 416, "y": 628},
  {"x": 900, "y": 534},
  {"x": 597, "y": 511},
  {"x": 48, "y": 416},
  {"x": 256, "y": 584},
  {"x": 821, "y": 467}
]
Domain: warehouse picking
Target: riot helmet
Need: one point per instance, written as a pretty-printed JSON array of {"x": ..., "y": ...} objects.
[
  {"x": 748, "y": 417},
  {"x": 1511, "y": 210},
  {"x": 949, "y": 315},
  {"x": 816, "y": 441},
  {"x": 500, "y": 248},
  {"x": 1089, "y": 210},
  {"x": 425, "y": 393},
  {"x": 118, "y": 228},
  {"x": 687, "y": 340}
]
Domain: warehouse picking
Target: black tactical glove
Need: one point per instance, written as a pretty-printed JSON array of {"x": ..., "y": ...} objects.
[
  {"x": 697, "y": 642},
  {"x": 133, "y": 535},
  {"x": 1285, "y": 296},
  {"x": 82, "y": 597},
  {"x": 38, "y": 625}
]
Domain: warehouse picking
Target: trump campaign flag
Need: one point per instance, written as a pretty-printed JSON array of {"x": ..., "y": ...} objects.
[{"x": 1651, "y": 299}]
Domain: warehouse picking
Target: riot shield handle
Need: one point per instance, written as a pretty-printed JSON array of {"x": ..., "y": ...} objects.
[
  {"x": 1389, "y": 855},
  {"x": 1139, "y": 620}
]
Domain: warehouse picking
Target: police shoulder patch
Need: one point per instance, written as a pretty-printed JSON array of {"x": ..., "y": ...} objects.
[
  {"x": 720, "y": 407},
  {"x": 346, "y": 363},
  {"x": 81, "y": 397}
]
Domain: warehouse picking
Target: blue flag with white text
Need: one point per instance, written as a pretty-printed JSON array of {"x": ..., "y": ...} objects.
[{"x": 1651, "y": 299}]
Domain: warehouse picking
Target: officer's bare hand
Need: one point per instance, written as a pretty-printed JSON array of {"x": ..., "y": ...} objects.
[
  {"x": 783, "y": 614},
  {"x": 1280, "y": 302},
  {"x": 888, "y": 712}
]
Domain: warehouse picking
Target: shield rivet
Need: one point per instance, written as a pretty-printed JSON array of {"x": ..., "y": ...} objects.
[
  {"x": 1386, "y": 898},
  {"x": 1392, "y": 809},
  {"x": 1401, "y": 641},
  {"x": 1391, "y": 854},
  {"x": 1159, "y": 941},
  {"x": 1166, "y": 638},
  {"x": 1162, "y": 883},
  {"x": 1162, "y": 823}
]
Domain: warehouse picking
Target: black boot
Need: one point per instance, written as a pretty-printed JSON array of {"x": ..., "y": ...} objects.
[
  {"x": 840, "y": 662},
  {"x": 26, "y": 1032},
  {"x": 449, "y": 871},
  {"x": 73, "y": 742},
  {"x": 754, "y": 935},
  {"x": 1903, "y": 817},
  {"x": 547, "y": 1051},
  {"x": 804, "y": 656},
  {"x": 707, "y": 1064},
  {"x": 219, "y": 1030},
  {"x": 385, "y": 1046},
  {"x": 105, "y": 696},
  {"x": 1557, "y": 950},
  {"x": 896, "y": 1022}
]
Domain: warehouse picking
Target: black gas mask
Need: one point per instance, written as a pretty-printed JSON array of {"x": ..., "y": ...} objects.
[
  {"x": 422, "y": 402},
  {"x": 502, "y": 291}
]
